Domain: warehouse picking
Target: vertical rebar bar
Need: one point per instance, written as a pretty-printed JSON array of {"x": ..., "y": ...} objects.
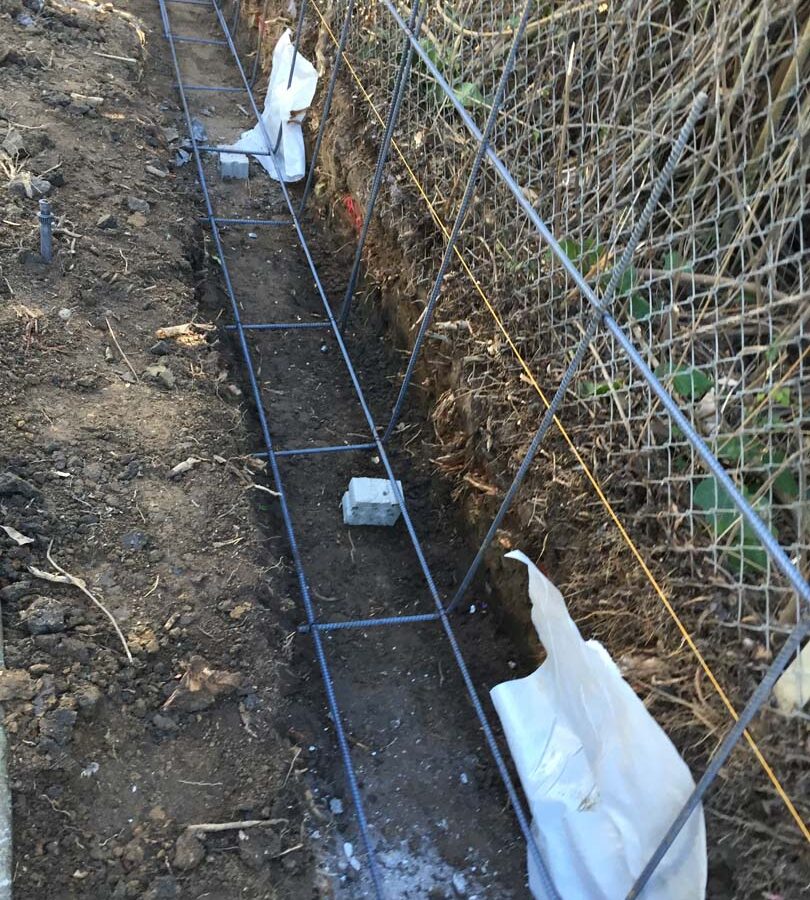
[
  {"x": 461, "y": 215},
  {"x": 45, "y": 230},
  {"x": 593, "y": 324},
  {"x": 327, "y": 103},
  {"x": 397, "y": 93},
  {"x": 259, "y": 35},
  {"x": 235, "y": 25}
]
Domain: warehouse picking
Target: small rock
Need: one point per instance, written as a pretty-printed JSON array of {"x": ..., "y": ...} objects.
[
  {"x": 57, "y": 725},
  {"x": 18, "y": 590},
  {"x": 459, "y": 884},
  {"x": 258, "y": 846},
  {"x": 165, "y": 723},
  {"x": 134, "y": 540},
  {"x": 45, "y": 616},
  {"x": 65, "y": 314},
  {"x": 136, "y": 220},
  {"x": 162, "y": 888},
  {"x": 161, "y": 374},
  {"x": 143, "y": 640},
  {"x": 336, "y": 806},
  {"x": 88, "y": 698},
  {"x": 16, "y": 684},
  {"x": 107, "y": 221},
  {"x": 189, "y": 851},
  {"x": 39, "y": 669},
  {"x": 154, "y": 170},
  {"x": 137, "y": 205},
  {"x": 12, "y": 484},
  {"x": 14, "y": 143},
  {"x": 133, "y": 854},
  {"x": 30, "y": 186},
  {"x": 161, "y": 348}
]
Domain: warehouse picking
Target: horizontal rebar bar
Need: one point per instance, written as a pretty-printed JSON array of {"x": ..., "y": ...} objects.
[
  {"x": 212, "y": 88},
  {"x": 370, "y": 623},
  {"x": 224, "y": 221},
  {"x": 337, "y": 448},
  {"x": 213, "y": 148},
  {"x": 188, "y": 39},
  {"x": 280, "y": 326}
]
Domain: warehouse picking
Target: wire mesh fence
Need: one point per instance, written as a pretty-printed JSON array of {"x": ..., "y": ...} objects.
[
  {"x": 717, "y": 295},
  {"x": 715, "y": 299}
]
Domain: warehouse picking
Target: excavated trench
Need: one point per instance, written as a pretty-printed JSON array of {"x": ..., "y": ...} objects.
[{"x": 437, "y": 809}]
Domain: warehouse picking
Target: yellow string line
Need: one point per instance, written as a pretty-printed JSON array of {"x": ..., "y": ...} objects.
[{"x": 687, "y": 637}]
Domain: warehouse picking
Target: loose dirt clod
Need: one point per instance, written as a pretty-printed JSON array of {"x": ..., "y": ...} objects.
[
  {"x": 201, "y": 686},
  {"x": 189, "y": 851}
]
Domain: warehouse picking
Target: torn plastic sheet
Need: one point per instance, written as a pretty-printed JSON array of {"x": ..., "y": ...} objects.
[
  {"x": 284, "y": 107},
  {"x": 603, "y": 780}
]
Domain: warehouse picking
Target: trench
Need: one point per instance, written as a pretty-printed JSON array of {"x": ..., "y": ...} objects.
[{"x": 439, "y": 818}]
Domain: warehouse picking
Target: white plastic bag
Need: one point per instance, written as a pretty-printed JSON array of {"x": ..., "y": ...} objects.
[
  {"x": 603, "y": 780},
  {"x": 285, "y": 106}
]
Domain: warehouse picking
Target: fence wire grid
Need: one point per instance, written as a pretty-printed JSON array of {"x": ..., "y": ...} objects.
[
  {"x": 714, "y": 298},
  {"x": 717, "y": 294}
]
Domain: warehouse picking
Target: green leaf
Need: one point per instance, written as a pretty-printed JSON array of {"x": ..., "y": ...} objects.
[
  {"x": 786, "y": 487},
  {"x": 627, "y": 282},
  {"x": 689, "y": 382},
  {"x": 585, "y": 255},
  {"x": 571, "y": 249},
  {"x": 674, "y": 262},
  {"x": 748, "y": 450},
  {"x": 639, "y": 307},
  {"x": 469, "y": 94},
  {"x": 781, "y": 396},
  {"x": 431, "y": 52},
  {"x": 598, "y": 389},
  {"x": 744, "y": 550}
]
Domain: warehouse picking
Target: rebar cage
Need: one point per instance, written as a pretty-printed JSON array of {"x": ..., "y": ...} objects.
[{"x": 608, "y": 281}]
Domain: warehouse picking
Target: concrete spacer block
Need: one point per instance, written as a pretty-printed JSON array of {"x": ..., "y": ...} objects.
[
  {"x": 370, "y": 501},
  {"x": 234, "y": 165}
]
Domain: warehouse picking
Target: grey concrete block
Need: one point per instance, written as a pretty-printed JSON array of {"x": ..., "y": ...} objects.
[
  {"x": 370, "y": 501},
  {"x": 234, "y": 165}
]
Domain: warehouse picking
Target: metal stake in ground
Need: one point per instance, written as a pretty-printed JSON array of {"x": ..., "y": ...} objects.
[
  {"x": 398, "y": 92},
  {"x": 461, "y": 215},
  {"x": 45, "y": 231},
  {"x": 593, "y": 324}
]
